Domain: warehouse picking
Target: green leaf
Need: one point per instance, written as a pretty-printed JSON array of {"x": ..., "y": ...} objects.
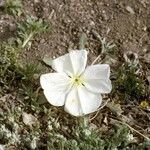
[
  {"x": 82, "y": 42},
  {"x": 47, "y": 61}
]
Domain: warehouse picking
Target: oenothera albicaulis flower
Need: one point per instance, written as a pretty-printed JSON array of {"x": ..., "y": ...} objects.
[{"x": 73, "y": 85}]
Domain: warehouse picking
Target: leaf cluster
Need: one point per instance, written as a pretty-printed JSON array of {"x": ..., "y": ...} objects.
[
  {"x": 128, "y": 84},
  {"x": 83, "y": 139},
  {"x": 29, "y": 28},
  {"x": 13, "y": 7}
]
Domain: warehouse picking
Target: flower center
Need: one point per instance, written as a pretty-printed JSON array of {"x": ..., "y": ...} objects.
[{"x": 76, "y": 80}]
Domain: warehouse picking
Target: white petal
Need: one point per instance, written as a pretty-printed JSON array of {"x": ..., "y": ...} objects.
[
  {"x": 55, "y": 86},
  {"x": 55, "y": 98},
  {"x": 72, "y": 103},
  {"x": 80, "y": 101},
  {"x": 96, "y": 78},
  {"x": 72, "y": 63},
  {"x": 97, "y": 71},
  {"x": 90, "y": 101}
]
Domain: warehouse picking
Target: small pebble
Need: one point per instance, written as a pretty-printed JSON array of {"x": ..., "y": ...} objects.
[
  {"x": 36, "y": 1},
  {"x": 42, "y": 41},
  {"x": 130, "y": 10},
  {"x": 147, "y": 58},
  {"x": 92, "y": 23},
  {"x": 2, "y": 3},
  {"x": 12, "y": 27},
  {"x": 144, "y": 28}
]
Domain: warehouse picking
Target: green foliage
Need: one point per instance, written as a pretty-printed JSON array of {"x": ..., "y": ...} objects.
[
  {"x": 128, "y": 83},
  {"x": 119, "y": 138},
  {"x": 48, "y": 133},
  {"x": 29, "y": 71},
  {"x": 82, "y": 41},
  {"x": 106, "y": 47},
  {"x": 13, "y": 7},
  {"x": 8, "y": 60},
  {"x": 82, "y": 138},
  {"x": 8, "y": 53},
  {"x": 29, "y": 28},
  {"x": 11, "y": 68}
]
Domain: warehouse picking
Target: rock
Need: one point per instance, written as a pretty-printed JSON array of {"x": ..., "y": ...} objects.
[
  {"x": 42, "y": 41},
  {"x": 130, "y": 10},
  {"x": 144, "y": 28},
  {"x": 92, "y": 126},
  {"x": 28, "y": 119},
  {"x": 36, "y": 1},
  {"x": 147, "y": 58},
  {"x": 2, "y": 3},
  {"x": 12, "y": 27}
]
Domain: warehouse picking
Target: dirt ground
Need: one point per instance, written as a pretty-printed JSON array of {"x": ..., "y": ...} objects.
[{"x": 125, "y": 22}]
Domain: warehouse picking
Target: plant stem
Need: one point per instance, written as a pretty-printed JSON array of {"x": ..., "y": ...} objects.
[
  {"x": 90, "y": 119},
  {"x": 96, "y": 59},
  {"x": 27, "y": 40}
]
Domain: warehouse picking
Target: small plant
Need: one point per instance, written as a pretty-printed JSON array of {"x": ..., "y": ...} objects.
[
  {"x": 82, "y": 138},
  {"x": 118, "y": 138},
  {"x": 128, "y": 83},
  {"x": 13, "y": 7},
  {"x": 28, "y": 29},
  {"x": 106, "y": 47},
  {"x": 28, "y": 70},
  {"x": 11, "y": 68},
  {"x": 107, "y": 53},
  {"x": 54, "y": 134},
  {"x": 8, "y": 60}
]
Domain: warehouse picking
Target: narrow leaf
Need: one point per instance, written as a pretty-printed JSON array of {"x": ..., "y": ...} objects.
[{"x": 83, "y": 40}]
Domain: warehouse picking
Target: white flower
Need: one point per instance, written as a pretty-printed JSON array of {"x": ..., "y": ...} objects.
[{"x": 76, "y": 87}]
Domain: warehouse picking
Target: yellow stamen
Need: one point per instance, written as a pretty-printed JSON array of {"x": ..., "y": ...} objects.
[{"x": 76, "y": 80}]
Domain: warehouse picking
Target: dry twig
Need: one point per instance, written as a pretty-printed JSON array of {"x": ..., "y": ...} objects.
[
  {"x": 90, "y": 119},
  {"x": 131, "y": 128}
]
